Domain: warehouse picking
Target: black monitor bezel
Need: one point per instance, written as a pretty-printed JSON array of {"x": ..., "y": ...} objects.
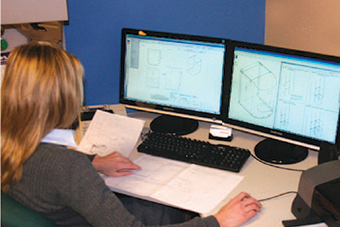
[
  {"x": 161, "y": 108},
  {"x": 264, "y": 131}
]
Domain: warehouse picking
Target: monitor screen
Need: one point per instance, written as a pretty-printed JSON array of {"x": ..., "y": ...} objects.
[
  {"x": 288, "y": 95},
  {"x": 172, "y": 74}
]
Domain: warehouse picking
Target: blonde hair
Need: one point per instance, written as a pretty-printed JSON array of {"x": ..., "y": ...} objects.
[{"x": 42, "y": 89}]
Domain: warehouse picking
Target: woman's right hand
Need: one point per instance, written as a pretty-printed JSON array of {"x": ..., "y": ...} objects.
[
  {"x": 114, "y": 165},
  {"x": 238, "y": 210}
]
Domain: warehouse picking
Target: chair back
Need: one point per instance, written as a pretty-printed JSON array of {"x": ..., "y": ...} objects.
[{"x": 14, "y": 214}]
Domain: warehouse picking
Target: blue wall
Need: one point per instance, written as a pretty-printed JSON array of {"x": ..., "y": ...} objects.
[{"x": 94, "y": 29}]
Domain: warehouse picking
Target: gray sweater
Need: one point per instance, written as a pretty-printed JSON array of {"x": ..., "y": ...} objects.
[{"x": 63, "y": 185}]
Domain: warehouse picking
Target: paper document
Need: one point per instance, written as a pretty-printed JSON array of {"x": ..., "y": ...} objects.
[
  {"x": 188, "y": 186},
  {"x": 111, "y": 132}
]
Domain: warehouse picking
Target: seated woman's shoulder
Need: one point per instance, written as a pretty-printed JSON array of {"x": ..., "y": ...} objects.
[{"x": 54, "y": 151}]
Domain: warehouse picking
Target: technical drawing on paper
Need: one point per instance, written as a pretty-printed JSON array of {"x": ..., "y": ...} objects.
[{"x": 256, "y": 83}]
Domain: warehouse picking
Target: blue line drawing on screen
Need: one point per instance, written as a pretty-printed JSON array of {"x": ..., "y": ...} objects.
[
  {"x": 301, "y": 84},
  {"x": 159, "y": 97},
  {"x": 173, "y": 79},
  {"x": 293, "y": 84},
  {"x": 154, "y": 57},
  {"x": 185, "y": 100},
  {"x": 313, "y": 123},
  {"x": 194, "y": 65},
  {"x": 256, "y": 82},
  {"x": 153, "y": 77},
  {"x": 284, "y": 116},
  {"x": 315, "y": 127},
  {"x": 319, "y": 90},
  {"x": 174, "y": 96},
  {"x": 302, "y": 92}
]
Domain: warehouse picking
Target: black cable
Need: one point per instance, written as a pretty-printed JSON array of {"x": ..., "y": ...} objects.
[{"x": 275, "y": 196}]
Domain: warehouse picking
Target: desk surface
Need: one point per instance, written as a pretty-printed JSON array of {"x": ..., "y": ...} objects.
[{"x": 261, "y": 181}]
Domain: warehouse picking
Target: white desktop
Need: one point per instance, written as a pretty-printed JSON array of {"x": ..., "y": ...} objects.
[{"x": 260, "y": 180}]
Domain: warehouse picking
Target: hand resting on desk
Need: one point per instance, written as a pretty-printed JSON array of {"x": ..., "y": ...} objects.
[
  {"x": 238, "y": 210},
  {"x": 114, "y": 165}
]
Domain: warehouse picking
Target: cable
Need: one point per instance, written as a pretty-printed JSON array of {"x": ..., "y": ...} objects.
[
  {"x": 272, "y": 165},
  {"x": 275, "y": 196}
]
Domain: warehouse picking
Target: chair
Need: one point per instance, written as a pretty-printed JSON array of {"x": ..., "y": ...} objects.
[{"x": 14, "y": 214}]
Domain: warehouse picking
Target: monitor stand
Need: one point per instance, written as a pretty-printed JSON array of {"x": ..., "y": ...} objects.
[
  {"x": 278, "y": 152},
  {"x": 174, "y": 125}
]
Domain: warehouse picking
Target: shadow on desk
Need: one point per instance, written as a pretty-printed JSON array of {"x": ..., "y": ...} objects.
[{"x": 150, "y": 213}]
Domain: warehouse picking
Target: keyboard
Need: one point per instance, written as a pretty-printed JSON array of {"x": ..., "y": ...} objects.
[{"x": 194, "y": 151}]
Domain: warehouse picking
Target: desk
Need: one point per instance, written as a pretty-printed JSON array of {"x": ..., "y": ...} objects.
[{"x": 261, "y": 181}]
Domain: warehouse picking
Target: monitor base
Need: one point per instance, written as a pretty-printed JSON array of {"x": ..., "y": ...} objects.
[
  {"x": 278, "y": 152},
  {"x": 174, "y": 125}
]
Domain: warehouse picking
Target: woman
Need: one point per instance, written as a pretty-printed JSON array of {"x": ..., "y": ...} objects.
[{"x": 41, "y": 95}]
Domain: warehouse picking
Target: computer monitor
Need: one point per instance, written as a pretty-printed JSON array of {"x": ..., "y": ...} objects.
[
  {"x": 179, "y": 76},
  {"x": 290, "y": 97}
]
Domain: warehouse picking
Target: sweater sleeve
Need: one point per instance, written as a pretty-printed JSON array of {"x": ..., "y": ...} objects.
[
  {"x": 82, "y": 189},
  {"x": 57, "y": 179},
  {"x": 90, "y": 157},
  {"x": 91, "y": 198}
]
